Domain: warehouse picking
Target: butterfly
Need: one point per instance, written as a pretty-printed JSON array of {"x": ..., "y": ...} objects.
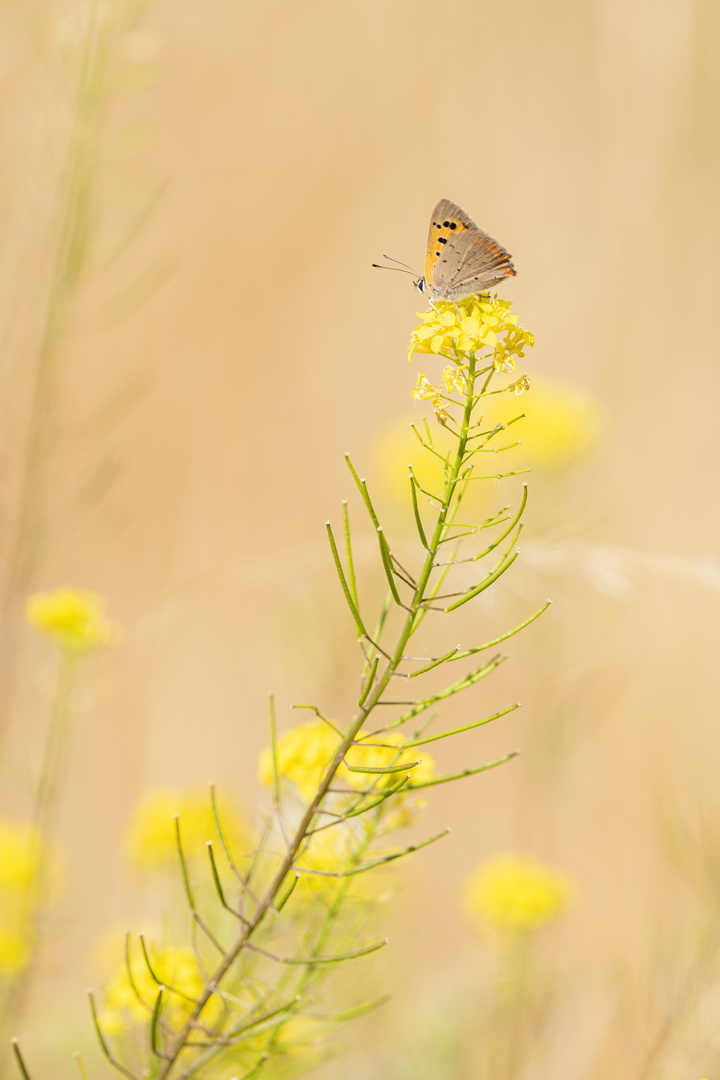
[{"x": 461, "y": 258}]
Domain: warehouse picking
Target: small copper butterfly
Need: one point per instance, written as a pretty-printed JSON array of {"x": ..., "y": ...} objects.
[{"x": 461, "y": 259}]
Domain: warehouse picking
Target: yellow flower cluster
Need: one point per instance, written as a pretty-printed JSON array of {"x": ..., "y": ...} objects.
[
  {"x": 474, "y": 324},
  {"x": 305, "y": 751},
  {"x": 513, "y": 894},
  {"x": 454, "y": 380},
  {"x": 425, "y": 391},
  {"x": 21, "y": 859},
  {"x": 151, "y": 840},
  {"x": 176, "y": 967},
  {"x": 75, "y": 619}
]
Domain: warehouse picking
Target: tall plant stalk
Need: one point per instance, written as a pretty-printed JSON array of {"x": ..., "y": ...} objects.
[{"x": 184, "y": 1043}]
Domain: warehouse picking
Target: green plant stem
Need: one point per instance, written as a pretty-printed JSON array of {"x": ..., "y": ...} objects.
[{"x": 414, "y": 615}]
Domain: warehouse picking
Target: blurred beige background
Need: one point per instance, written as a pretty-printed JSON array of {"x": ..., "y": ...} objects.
[{"x": 299, "y": 142}]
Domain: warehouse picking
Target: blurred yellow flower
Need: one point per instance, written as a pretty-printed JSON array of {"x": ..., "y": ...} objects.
[
  {"x": 474, "y": 324},
  {"x": 304, "y": 752},
  {"x": 299, "y": 1035},
  {"x": 176, "y": 967},
  {"x": 151, "y": 840},
  {"x": 14, "y": 951},
  {"x": 329, "y": 851},
  {"x": 26, "y": 877},
  {"x": 514, "y": 894},
  {"x": 561, "y": 423},
  {"x": 72, "y": 617},
  {"x": 21, "y": 857}
]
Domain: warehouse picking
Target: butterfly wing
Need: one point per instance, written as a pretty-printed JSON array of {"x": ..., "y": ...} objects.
[{"x": 461, "y": 258}]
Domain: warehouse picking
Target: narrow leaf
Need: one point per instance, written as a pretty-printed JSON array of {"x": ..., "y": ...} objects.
[
  {"x": 434, "y": 664},
  {"x": 310, "y": 961},
  {"x": 369, "y": 681},
  {"x": 465, "y": 772},
  {"x": 363, "y": 489},
  {"x": 154, "y": 1023},
  {"x": 465, "y": 727},
  {"x": 382, "y": 769},
  {"x": 183, "y": 863},
  {"x": 387, "y": 566},
  {"x": 485, "y": 584},
  {"x": 467, "y": 680},
  {"x": 416, "y": 512},
  {"x": 345, "y": 588},
  {"x": 499, "y": 539},
  {"x": 504, "y": 637},
  {"x": 349, "y": 555}
]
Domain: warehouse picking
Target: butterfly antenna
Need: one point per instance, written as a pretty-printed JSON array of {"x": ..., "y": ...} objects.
[{"x": 407, "y": 270}]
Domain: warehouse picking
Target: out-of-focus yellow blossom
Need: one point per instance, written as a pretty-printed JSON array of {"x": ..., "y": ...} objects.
[
  {"x": 305, "y": 751},
  {"x": 513, "y": 894},
  {"x": 328, "y": 851},
  {"x": 474, "y": 324},
  {"x": 151, "y": 841},
  {"x": 72, "y": 617},
  {"x": 21, "y": 857},
  {"x": 302, "y": 754},
  {"x": 404, "y": 813},
  {"x": 14, "y": 951},
  {"x": 397, "y": 447},
  {"x": 425, "y": 391},
  {"x": 561, "y": 423},
  {"x": 299, "y": 1035},
  {"x": 176, "y": 967},
  {"x": 27, "y": 875}
]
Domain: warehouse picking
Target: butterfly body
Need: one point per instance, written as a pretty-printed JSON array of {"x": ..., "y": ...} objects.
[{"x": 462, "y": 260}]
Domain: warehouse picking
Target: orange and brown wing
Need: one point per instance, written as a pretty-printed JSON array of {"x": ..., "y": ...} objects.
[
  {"x": 448, "y": 219},
  {"x": 462, "y": 259}
]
